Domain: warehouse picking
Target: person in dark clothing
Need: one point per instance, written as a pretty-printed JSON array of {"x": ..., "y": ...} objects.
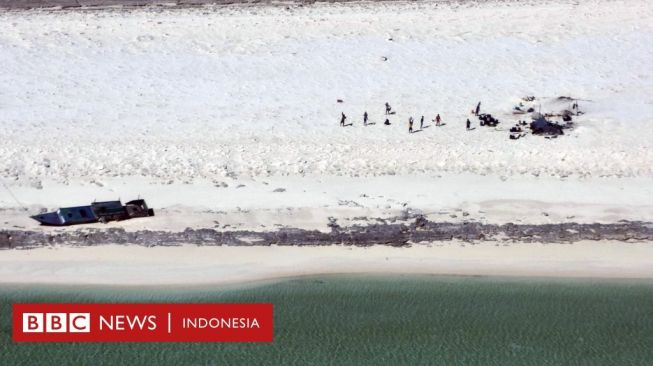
[
  {"x": 469, "y": 124},
  {"x": 387, "y": 122},
  {"x": 387, "y": 108},
  {"x": 478, "y": 108},
  {"x": 342, "y": 120},
  {"x": 365, "y": 118},
  {"x": 437, "y": 120},
  {"x": 421, "y": 123},
  {"x": 575, "y": 108},
  {"x": 410, "y": 125}
]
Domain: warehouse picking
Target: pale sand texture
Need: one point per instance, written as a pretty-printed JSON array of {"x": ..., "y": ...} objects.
[{"x": 134, "y": 265}]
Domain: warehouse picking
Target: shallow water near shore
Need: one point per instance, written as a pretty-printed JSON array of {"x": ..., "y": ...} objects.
[{"x": 372, "y": 319}]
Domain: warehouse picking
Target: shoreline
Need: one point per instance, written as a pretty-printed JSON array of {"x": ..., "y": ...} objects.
[
  {"x": 258, "y": 283},
  {"x": 196, "y": 265}
]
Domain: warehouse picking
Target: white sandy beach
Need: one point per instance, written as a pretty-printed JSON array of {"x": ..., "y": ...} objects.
[
  {"x": 251, "y": 91},
  {"x": 134, "y": 265},
  {"x": 228, "y": 116}
]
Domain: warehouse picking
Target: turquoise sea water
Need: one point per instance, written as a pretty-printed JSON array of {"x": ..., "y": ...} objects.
[{"x": 373, "y": 320}]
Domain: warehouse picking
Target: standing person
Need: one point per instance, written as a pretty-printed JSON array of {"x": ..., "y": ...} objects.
[
  {"x": 421, "y": 123},
  {"x": 575, "y": 107},
  {"x": 410, "y": 125},
  {"x": 478, "y": 108},
  {"x": 387, "y": 108},
  {"x": 437, "y": 120},
  {"x": 469, "y": 124},
  {"x": 365, "y": 118},
  {"x": 342, "y": 119}
]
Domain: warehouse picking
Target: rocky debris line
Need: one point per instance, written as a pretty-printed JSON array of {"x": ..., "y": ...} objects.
[
  {"x": 397, "y": 234},
  {"x": 71, "y": 4},
  {"x": 85, "y": 4}
]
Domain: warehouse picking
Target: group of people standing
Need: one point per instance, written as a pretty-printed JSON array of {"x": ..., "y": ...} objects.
[
  {"x": 389, "y": 111},
  {"x": 437, "y": 120}
]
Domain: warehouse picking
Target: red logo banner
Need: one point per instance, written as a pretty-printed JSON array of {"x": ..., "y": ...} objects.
[{"x": 143, "y": 323}]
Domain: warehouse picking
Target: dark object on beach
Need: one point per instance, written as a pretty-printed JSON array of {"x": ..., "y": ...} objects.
[
  {"x": 478, "y": 108},
  {"x": 365, "y": 118},
  {"x": 388, "y": 109},
  {"x": 577, "y": 110},
  {"x": 540, "y": 126},
  {"x": 469, "y": 124},
  {"x": 520, "y": 109},
  {"x": 487, "y": 120},
  {"x": 387, "y": 122},
  {"x": 342, "y": 119},
  {"x": 339, "y": 100},
  {"x": 515, "y": 129},
  {"x": 96, "y": 212},
  {"x": 566, "y": 117}
]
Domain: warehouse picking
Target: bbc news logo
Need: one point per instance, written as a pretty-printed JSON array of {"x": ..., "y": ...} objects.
[
  {"x": 56, "y": 322},
  {"x": 143, "y": 323}
]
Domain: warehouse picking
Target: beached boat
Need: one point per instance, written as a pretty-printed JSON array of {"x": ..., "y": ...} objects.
[{"x": 96, "y": 212}]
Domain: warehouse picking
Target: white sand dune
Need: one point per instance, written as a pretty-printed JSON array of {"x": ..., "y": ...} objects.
[{"x": 250, "y": 91}]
